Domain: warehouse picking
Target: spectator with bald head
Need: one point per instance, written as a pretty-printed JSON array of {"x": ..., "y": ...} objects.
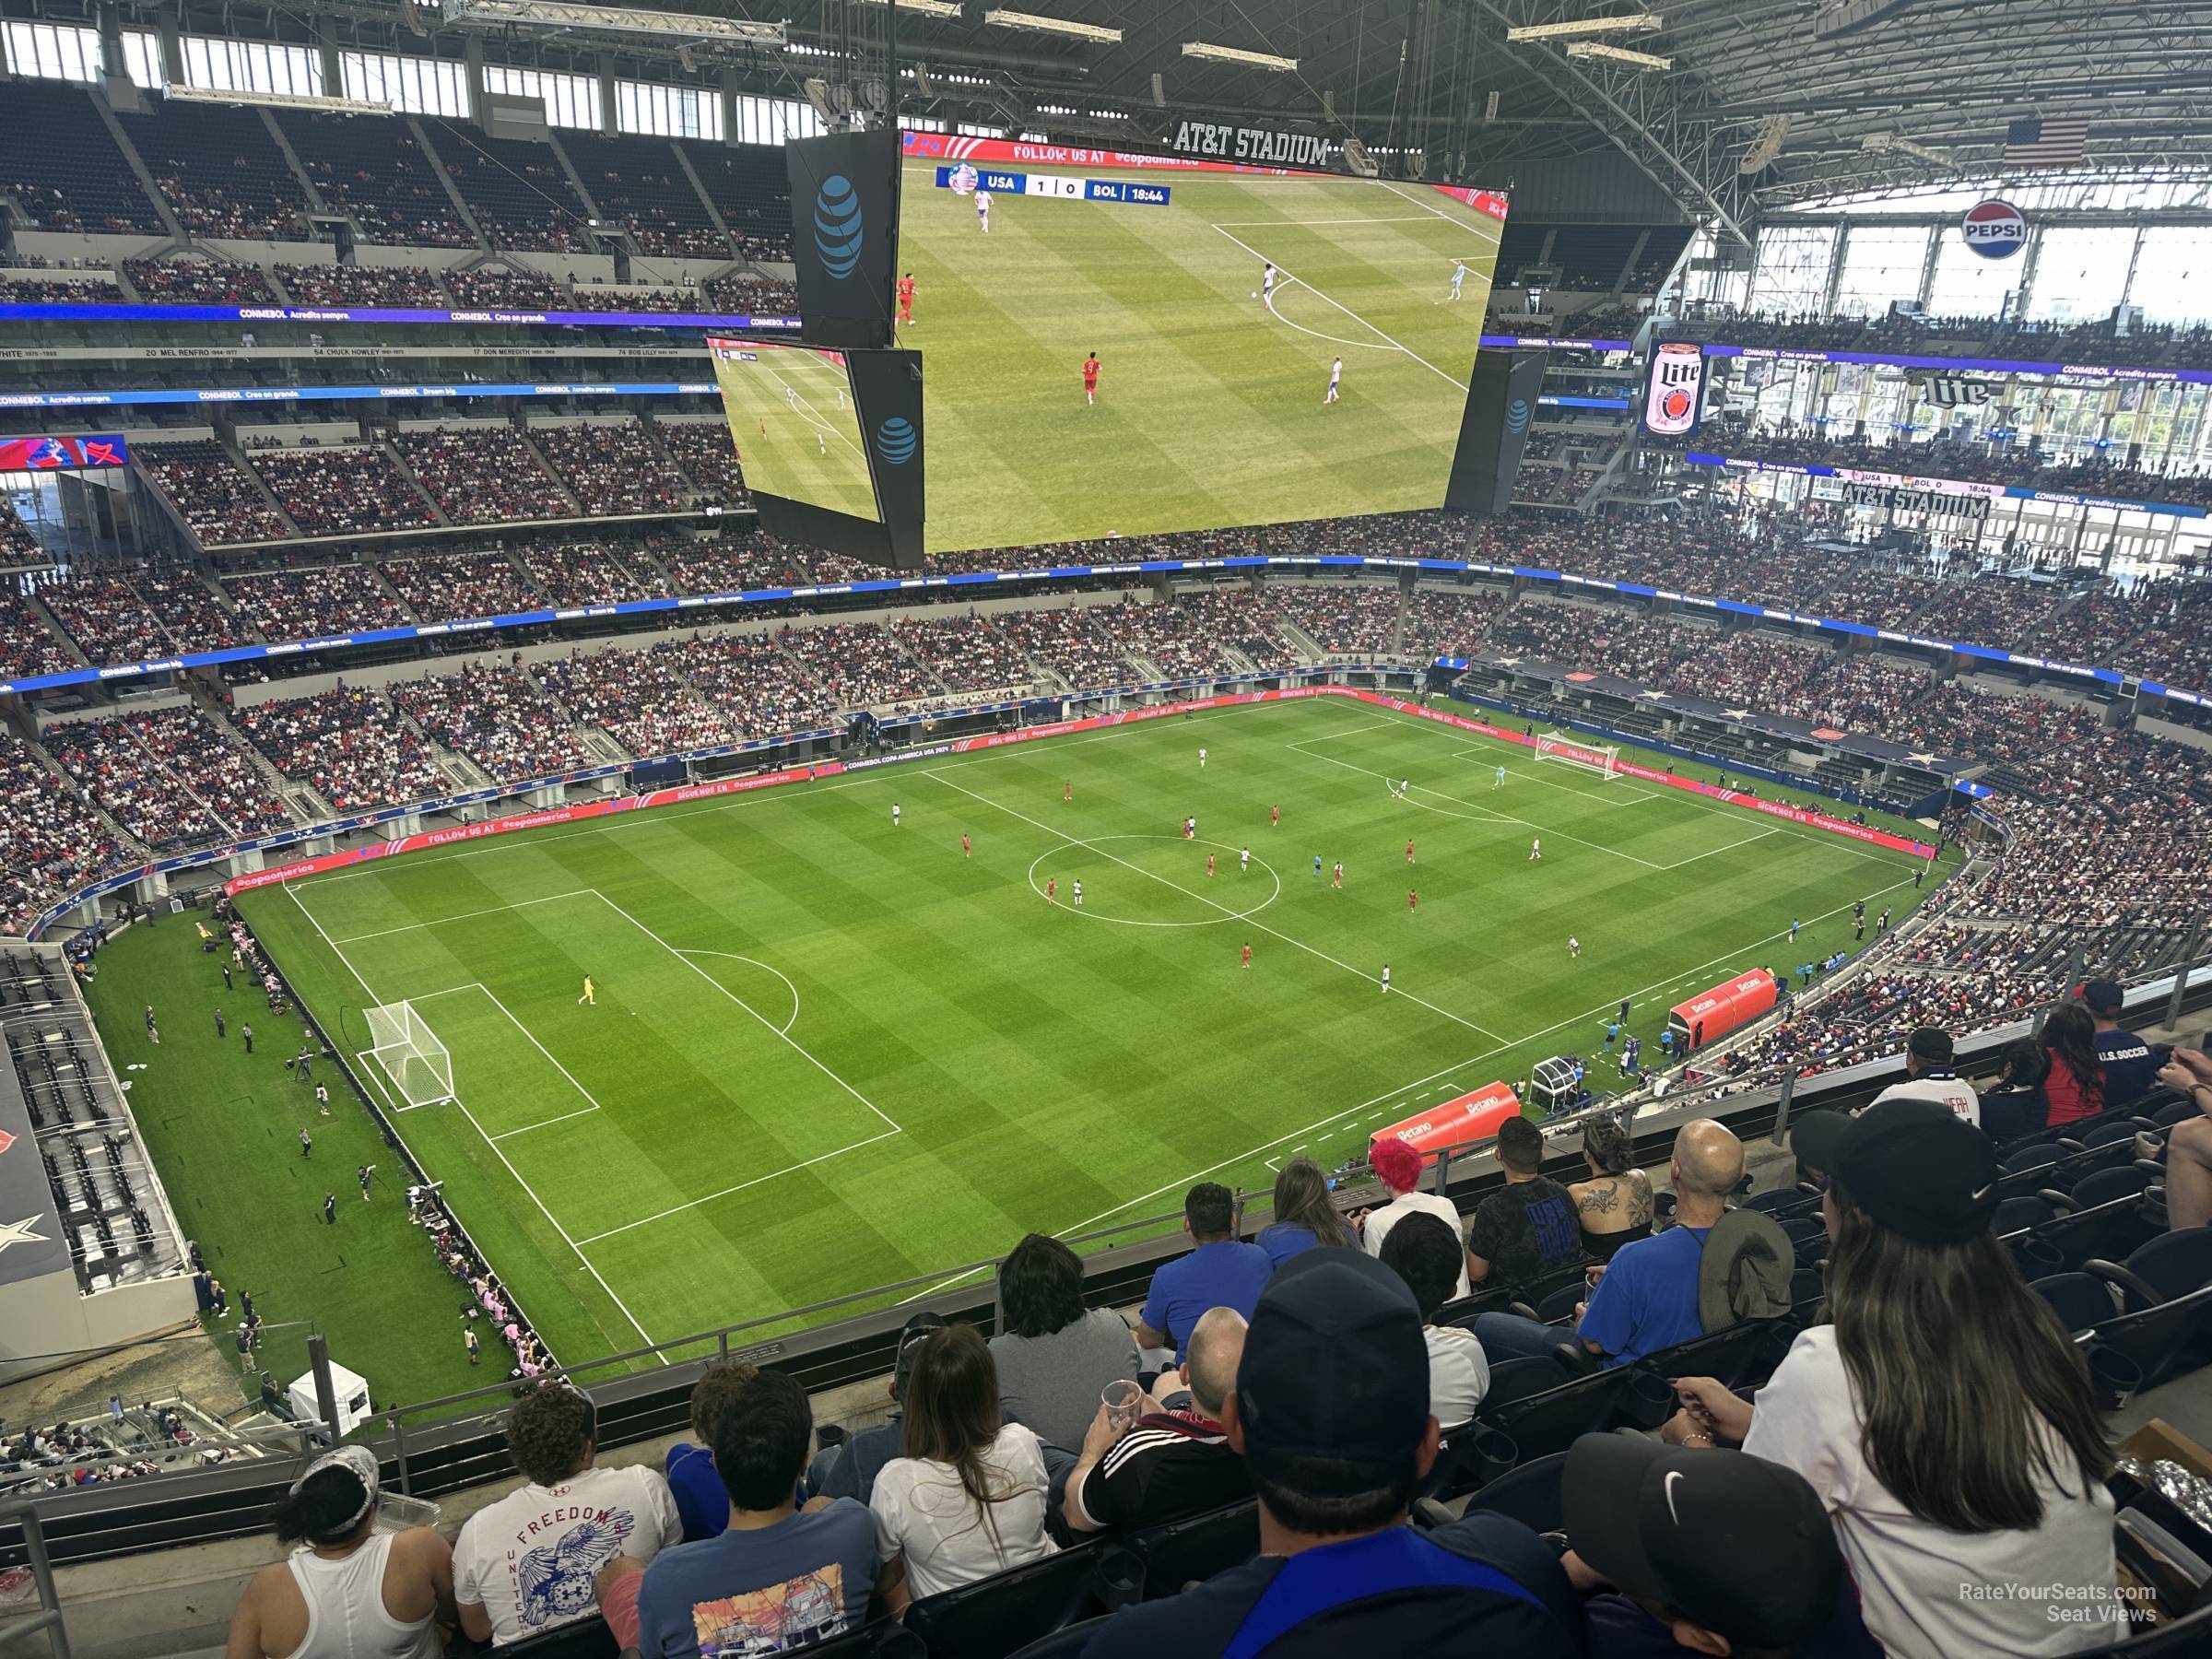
[
  {"x": 1172, "y": 1461},
  {"x": 1648, "y": 1299}
]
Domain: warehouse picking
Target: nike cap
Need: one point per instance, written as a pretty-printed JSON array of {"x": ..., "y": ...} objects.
[
  {"x": 1919, "y": 1169},
  {"x": 1728, "y": 1541}
]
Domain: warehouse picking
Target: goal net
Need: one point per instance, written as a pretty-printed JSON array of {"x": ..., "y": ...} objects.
[
  {"x": 1602, "y": 759},
  {"x": 408, "y": 1053}
]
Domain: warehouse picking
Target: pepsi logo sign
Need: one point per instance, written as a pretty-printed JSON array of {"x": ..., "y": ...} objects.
[{"x": 1994, "y": 230}]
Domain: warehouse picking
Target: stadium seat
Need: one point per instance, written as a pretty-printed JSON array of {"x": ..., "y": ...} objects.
[
  {"x": 1469, "y": 1458},
  {"x": 2082, "y": 1300},
  {"x": 1168, "y": 1558},
  {"x": 2106, "y": 1230},
  {"x": 2114, "y": 1129},
  {"x": 1067, "y": 1643},
  {"x": 586, "y": 1638},
  {"x": 2036, "y": 1154},
  {"x": 2179, "y": 1112},
  {"x": 2022, "y": 1212},
  {"x": 1548, "y": 1422},
  {"x": 2104, "y": 1185},
  {"x": 1514, "y": 1379},
  {"x": 2188, "y": 1635},
  {"x": 1531, "y": 1494},
  {"x": 995, "y": 1617},
  {"x": 1743, "y": 1352}
]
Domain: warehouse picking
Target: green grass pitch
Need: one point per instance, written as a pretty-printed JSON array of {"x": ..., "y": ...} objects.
[
  {"x": 1209, "y": 409},
  {"x": 830, "y": 1054},
  {"x": 791, "y": 415}
]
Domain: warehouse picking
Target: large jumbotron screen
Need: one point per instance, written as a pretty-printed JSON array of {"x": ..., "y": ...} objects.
[
  {"x": 793, "y": 418},
  {"x": 1211, "y": 406}
]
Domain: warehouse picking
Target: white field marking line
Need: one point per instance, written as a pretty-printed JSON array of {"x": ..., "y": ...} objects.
[
  {"x": 741, "y": 1186},
  {"x": 764, "y": 968},
  {"x": 1092, "y": 915},
  {"x": 1380, "y": 219},
  {"x": 666, "y": 815},
  {"x": 1347, "y": 309},
  {"x": 542, "y": 1049},
  {"x": 1267, "y": 299},
  {"x": 1725, "y": 847},
  {"x": 1490, "y": 815},
  {"x": 1449, "y": 219},
  {"x": 1400, "y": 1095},
  {"x": 1819, "y": 838},
  {"x": 1192, "y": 893},
  {"x": 551, "y": 1220},
  {"x": 797, "y": 1047},
  {"x": 1623, "y": 793},
  {"x": 1393, "y": 1094},
  {"x": 385, "y": 933}
]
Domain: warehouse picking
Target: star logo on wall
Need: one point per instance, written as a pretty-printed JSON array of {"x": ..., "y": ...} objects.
[
  {"x": 1922, "y": 760},
  {"x": 19, "y": 1232},
  {"x": 1738, "y": 713}
]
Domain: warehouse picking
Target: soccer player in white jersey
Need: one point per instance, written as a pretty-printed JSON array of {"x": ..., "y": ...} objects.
[
  {"x": 894, "y": 814},
  {"x": 1386, "y": 978},
  {"x": 983, "y": 209},
  {"x": 1079, "y": 895},
  {"x": 1536, "y": 850},
  {"x": 1244, "y": 861},
  {"x": 1202, "y": 759},
  {"x": 1336, "y": 374},
  {"x": 1574, "y": 945},
  {"x": 1499, "y": 782},
  {"x": 1267, "y": 283},
  {"x": 1459, "y": 275}
]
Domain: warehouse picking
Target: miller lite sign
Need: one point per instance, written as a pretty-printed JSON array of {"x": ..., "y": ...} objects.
[
  {"x": 1994, "y": 230},
  {"x": 1675, "y": 393}
]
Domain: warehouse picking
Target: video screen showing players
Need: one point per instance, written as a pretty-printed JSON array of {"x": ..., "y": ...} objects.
[
  {"x": 1134, "y": 350},
  {"x": 792, "y": 418}
]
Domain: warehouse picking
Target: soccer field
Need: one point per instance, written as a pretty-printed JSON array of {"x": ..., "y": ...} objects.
[
  {"x": 830, "y": 1052},
  {"x": 1209, "y": 409}
]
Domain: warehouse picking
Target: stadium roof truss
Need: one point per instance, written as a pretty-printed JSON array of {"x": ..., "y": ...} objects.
[{"x": 1852, "y": 99}]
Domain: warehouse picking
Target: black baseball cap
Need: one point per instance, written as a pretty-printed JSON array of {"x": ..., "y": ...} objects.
[
  {"x": 1815, "y": 1138},
  {"x": 1729, "y": 1541},
  {"x": 2104, "y": 995},
  {"x": 1919, "y": 1169},
  {"x": 1931, "y": 1044},
  {"x": 1335, "y": 1366},
  {"x": 922, "y": 1324}
]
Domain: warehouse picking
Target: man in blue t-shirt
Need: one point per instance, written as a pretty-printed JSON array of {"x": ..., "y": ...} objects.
[
  {"x": 2131, "y": 1070},
  {"x": 1330, "y": 1413},
  {"x": 1648, "y": 1299},
  {"x": 1221, "y": 1273},
  {"x": 776, "y": 1577}
]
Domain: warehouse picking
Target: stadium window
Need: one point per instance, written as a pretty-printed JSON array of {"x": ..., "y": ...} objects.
[
  {"x": 968, "y": 129},
  {"x": 666, "y": 112},
  {"x": 775, "y": 120},
  {"x": 52, "y": 51},
  {"x": 1965, "y": 284},
  {"x": 2080, "y": 273},
  {"x": 142, "y": 59},
  {"x": 1881, "y": 263},
  {"x": 218, "y": 65},
  {"x": 2172, "y": 257},
  {"x": 1789, "y": 270},
  {"x": 925, "y": 124},
  {"x": 417, "y": 85},
  {"x": 570, "y": 101},
  {"x": 1036, "y": 138}
]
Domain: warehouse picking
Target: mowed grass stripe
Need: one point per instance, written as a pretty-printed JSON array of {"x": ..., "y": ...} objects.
[{"x": 1044, "y": 1067}]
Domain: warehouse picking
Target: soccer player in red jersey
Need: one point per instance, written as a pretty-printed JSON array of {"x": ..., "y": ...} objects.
[
  {"x": 1090, "y": 378},
  {"x": 1413, "y": 900},
  {"x": 1248, "y": 955},
  {"x": 1336, "y": 876},
  {"x": 1275, "y": 816},
  {"x": 1067, "y": 791},
  {"x": 1051, "y": 890},
  {"x": 1408, "y": 851},
  {"x": 906, "y": 297},
  {"x": 964, "y": 853},
  {"x": 1209, "y": 864}
]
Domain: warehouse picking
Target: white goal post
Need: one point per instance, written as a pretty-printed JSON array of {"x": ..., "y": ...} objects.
[
  {"x": 409, "y": 1054},
  {"x": 1604, "y": 758}
]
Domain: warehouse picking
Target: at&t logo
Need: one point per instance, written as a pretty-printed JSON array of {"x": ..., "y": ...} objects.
[
  {"x": 895, "y": 441},
  {"x": 838, "y": 229}
]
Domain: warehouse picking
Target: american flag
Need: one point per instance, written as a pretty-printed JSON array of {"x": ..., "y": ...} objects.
[{"x": 2036, "y": 142}]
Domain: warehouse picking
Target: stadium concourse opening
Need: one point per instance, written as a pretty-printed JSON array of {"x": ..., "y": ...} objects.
[{"x": 930, "y": 1000}]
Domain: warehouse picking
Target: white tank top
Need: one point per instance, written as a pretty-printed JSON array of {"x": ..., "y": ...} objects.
[{"x": 346, "y": 1616}]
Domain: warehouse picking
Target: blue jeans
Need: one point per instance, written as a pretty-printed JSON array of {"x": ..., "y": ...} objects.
[{"x": 1512, "y": 1337}]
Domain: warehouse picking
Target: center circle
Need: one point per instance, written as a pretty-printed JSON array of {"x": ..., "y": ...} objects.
[{"x": 1075, "y": 860}]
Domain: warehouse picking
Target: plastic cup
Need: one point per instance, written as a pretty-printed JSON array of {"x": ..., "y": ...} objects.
[{"x": 1121, "y": 1400}]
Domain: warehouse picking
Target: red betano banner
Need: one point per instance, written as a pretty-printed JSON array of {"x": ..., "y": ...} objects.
[
  {"x": 1471, "y": 1117},
  {"x": 1482, "y": 201},
  {"x": 1712, "y": 1015},
  {"x": 1062, "y": 728}
]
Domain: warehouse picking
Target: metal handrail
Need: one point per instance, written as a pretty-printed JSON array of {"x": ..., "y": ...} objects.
[{"x": 49, "y": 1616}]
